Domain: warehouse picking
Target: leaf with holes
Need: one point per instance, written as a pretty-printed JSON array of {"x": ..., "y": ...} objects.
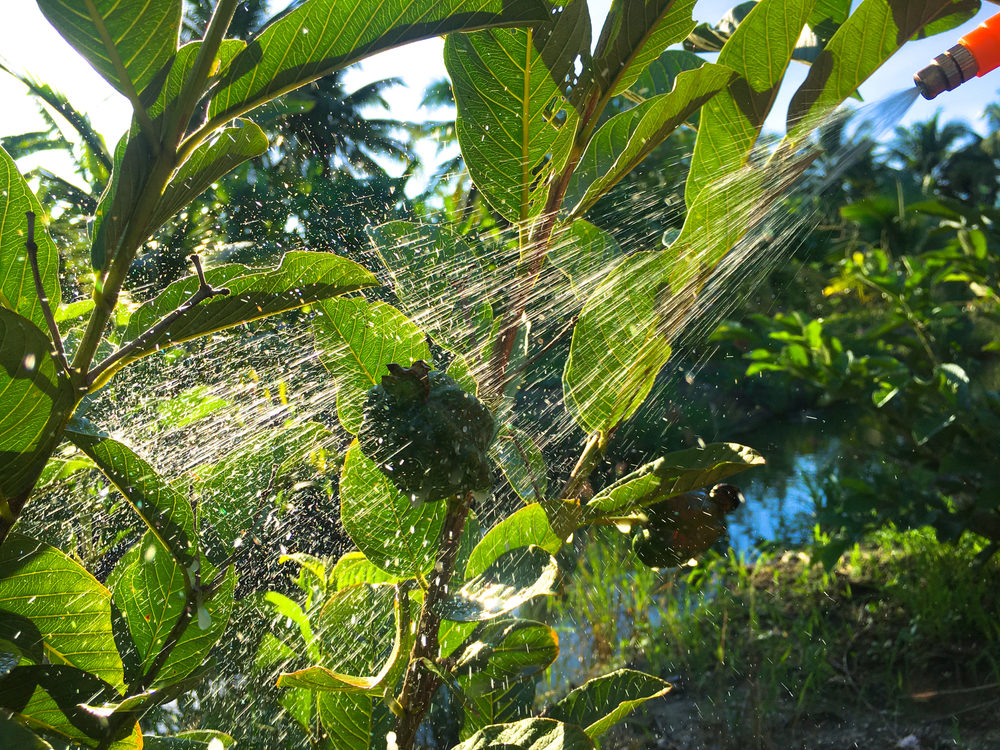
[
  {"x": 127, "y": 41},
  {"x": 356, "y": 339},
  {"x": 514, "y": 124},
  {"x": 396, "y": 535},
  {"x": 322, "y": 36},
  {"x": 515, "y": 577},
  {"x": 36, "y": 400},
  {"x": 604, "y": 701}
]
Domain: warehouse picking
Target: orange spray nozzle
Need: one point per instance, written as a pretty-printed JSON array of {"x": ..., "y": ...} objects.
[{"x": 976, "y": 54}]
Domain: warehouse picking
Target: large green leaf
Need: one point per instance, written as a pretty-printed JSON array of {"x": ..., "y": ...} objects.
[
  {"x": 498, "y": 703},
  {"x": 361, "y": 639},
  {"x": 228, "y": 148},
  {"x": 164, "y": 509},
  {"x": 13, "y": 734},
  {"x": 71, "y": 610},
  {"x": 628, "y": 138},
  {"x": 515, "y": 577},
  {"x": 353, "y": 568},
  {"x": 673, "y": 474},
  {"x": 302, "y": 278},
  {"x": 438, "y": 280},
  {"x": 505, "y": 651},
  {"x": 634, "y": 34},
  {"x": 583, "y": 253},
  {"x": 521, "y": 462},
  {"x": 17, "y": 286},
  {"x": 321, "y": 36},
  {"x": 396, "y": 535},
  {"x": 603, "y": 702},
  {"x": 525, "y": 526},
  {"x": 127, "y": 41},
  {"x": 514, "y": 124},
  {"x": 759, "y": 51},
  {"x": 150, "y": 588},
  {"x": 873, "y": 33},
  {"x": 354, "y": 721},
  {"x": 36, "y": 399},
  {"x": 661, "y": 74},
  {"x": 619, "y": 343},
  {"x": 356, "y": 339},
  {"x": 529, "y": 734}
]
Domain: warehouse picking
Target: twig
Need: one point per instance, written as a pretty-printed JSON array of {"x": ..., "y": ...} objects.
[
  {"x": 42, "y": 298},
  {"x": 205, "y": 291},
  {"x": 420, "y": 684}
]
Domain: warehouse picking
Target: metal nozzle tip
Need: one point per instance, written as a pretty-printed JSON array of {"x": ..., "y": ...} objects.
[{"x": 946, "y": 72}]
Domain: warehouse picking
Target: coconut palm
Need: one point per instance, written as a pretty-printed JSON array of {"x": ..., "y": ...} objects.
[{"x": 923, "y": 147}]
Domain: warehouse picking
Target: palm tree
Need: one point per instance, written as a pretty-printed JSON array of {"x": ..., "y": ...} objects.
[{"x": 924, "y": 147}]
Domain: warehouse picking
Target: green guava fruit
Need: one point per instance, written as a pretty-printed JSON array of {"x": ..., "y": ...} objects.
[
  {"x": 684, "y": 526},
  {"x": 426, "y": 434}
]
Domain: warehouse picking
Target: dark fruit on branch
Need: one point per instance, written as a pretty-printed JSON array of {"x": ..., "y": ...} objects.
[
  {"x": 684, "y": 526},
  {"x": 426, "y": 434}
]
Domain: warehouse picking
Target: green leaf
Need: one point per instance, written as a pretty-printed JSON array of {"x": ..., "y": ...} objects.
[
  {"x": 671, "y": 475},
  {"x": 602, "y": 702},
  {"x": 20, "y": 636},
  {"x": 759, "y": 51},
  {"x": 356, "y": 339},
  {"x": 66, "y": 687},
  {"x": 495, "y": 704},
  {"x": 360, "y": 633},
  {"x": 525, "y": 526},
  {"x": 628, "y": 138},
  {"x": 70, "y": 609},
  {"x": 514, "y": 124},
  {"x": 353, "y": 568},
  {"x": 437, "y": 278},
  {"x": 505, "y": 651},
  {"x": 302, "y": 278},
  {"x": 36, "y": 400},
  {"x": 17, "y": 285},
  {"x": 322, "y": 36},
  {"x": 150, "y": 588},
  {"x": 521, "y": 462},
  {"x": 583, "y": 253},
  {"x": 189, "y": 406},
  {"x": 874, "y": 31},
  {"x": 354, "y": 721},
  {"x": 515, "y": 577},
  {"x": 13, "y": 734},
  {"x": 619, "y": 343},
  {"x": 211, "y": 161},
  {"x": 165, "y": 510},
  {"x": 196, "y": 739},
  {"x": 127, "y": 41},
  {"x": 634, "y": 34},
  {"x": 661, "y": 74},
  {"x": 395, "y": 535},
  {"x": 529, "y": 734}
]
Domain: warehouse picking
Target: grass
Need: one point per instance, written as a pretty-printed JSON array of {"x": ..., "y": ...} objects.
[{"x": 902, "y": 628}]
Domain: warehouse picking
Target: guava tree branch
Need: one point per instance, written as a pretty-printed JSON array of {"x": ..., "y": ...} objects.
[
  {"x": 205, "y": 291},
  {"x": 43, "y": 299},
  {"x": 419, "y": 683}
]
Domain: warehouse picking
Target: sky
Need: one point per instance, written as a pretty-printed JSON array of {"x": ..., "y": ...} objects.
[{"x": 29, "y": 44}]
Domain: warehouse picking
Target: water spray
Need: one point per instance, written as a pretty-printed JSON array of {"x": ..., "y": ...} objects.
[{"x": 976, "y": 54}]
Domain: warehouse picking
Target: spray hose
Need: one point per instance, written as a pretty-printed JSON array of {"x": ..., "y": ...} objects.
[{"x": 976, "y": 54}]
